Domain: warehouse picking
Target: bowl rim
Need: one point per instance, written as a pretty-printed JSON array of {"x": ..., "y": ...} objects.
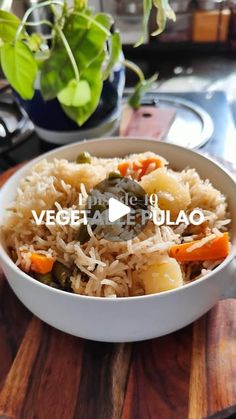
[{"x": 5, "y": 258}]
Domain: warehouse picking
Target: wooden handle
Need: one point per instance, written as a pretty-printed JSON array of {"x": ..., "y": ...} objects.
[{"x": 147, "y": 121}]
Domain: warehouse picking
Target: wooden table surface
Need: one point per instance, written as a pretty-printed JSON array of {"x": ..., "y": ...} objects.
[{"x": 47, "y": 374}]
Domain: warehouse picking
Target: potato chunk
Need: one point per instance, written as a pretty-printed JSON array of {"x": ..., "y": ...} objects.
[
  {"x": 172, "y": 193},
  {"x": 162, "y": 277}
]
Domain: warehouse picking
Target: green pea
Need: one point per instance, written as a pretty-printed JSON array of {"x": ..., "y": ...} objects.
[
  {"x": 84, "y": 158},
  {"x": 114, "y": 175}
]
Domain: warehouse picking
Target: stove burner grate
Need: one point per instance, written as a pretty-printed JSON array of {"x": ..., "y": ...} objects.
[{"x": 15, "y": 126}]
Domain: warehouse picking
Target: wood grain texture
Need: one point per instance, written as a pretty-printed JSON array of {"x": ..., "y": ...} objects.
[
  {"x": 213, "y": 370},
  {"x": 55, "y": 378},
  {"x": 102, "y": 392},
  {"x": 14, "y": 319},
  {"x": 15, "y": 388},
  {"x": 159, "y": 380}
]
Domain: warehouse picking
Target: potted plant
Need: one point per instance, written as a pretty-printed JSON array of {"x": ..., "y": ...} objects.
[{"x": 68, "y": 81}]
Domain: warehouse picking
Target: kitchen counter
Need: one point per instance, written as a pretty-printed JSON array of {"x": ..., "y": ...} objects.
[{"x": 188, "y": 68}]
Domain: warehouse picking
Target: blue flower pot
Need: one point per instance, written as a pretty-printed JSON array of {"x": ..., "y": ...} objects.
[{"x": 54, "y": 126}]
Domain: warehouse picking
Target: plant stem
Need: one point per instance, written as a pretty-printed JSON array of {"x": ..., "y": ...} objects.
[
  {"x": 132, "y": 66},
  {"x": 69, "y": 52},
  {"x": 91, "y": 20},
  {"x": 40, "y": 22},
  {"x": 31, "y": 9}
]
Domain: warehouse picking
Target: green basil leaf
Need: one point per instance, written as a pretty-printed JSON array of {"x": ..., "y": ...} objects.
[
  {"x": 139, "y": 91},
  {"x": 75, "y": 93},
  {"x": 93, "y": 75},
  {"x": 9, "y": 24},
  {"x": 164, "y": 12},
  {"x": 19, "y": 67},
  {"x": 115, "y": 50},
  {"x": 56, "y": 72}
]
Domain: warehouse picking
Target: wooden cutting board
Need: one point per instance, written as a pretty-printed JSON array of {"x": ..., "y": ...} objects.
[{"x": 47, "y": 374}]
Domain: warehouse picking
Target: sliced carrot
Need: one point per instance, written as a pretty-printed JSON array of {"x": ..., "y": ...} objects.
[
  {"x": 217, "y": 248},
  {"x": 41, "y": 264},
  {"x": 141, "y": 165},
  {"x": 146, "y": 163},
  {"x": 123, "y": 167}
]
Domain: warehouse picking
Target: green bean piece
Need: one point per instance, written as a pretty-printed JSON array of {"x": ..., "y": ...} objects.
[
  {"x": 83, "y": 235},
  {"x": 98, "y": 207},
  {"x": 114, "y": 175},
  {"x": 84, "y": 158},
  {"x": 46, "y": 279},
  {"x": 62, "y": 275}
]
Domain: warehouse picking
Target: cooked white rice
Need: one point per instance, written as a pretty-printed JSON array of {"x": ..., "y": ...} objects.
[{"x": 109, "y": 266}]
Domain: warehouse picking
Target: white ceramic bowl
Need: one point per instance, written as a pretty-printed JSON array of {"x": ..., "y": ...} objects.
[{"x": 124, "y": 319}]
